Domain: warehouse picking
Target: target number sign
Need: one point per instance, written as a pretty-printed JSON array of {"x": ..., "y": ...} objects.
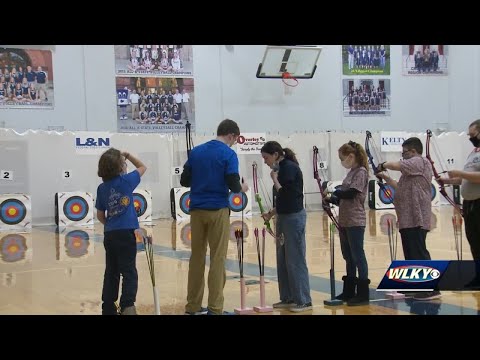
[
  {"x": 176, "y": 170},
  {"x": 322, "y": 165},
  {"x": 6, "y": 175},
  {"x": 66, "y": 174}
]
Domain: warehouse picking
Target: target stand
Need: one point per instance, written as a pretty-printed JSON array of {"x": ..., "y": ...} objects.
[
  {"x": 73, "y": 208},
  {"x": 15, "y": 212},
  {"x": 180, "y": 203},
  {"x": 377, "y": 199},
  {"x": 142, "y": 201}
]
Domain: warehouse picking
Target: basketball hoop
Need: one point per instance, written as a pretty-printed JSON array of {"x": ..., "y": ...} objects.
[{"x": 289, "y": 82}]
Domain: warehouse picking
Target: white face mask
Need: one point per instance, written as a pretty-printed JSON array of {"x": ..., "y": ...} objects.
[{"x": 347, "y": 163}]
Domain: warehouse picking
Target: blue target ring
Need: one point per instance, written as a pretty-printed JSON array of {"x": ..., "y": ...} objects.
[
  {"x": 434, "y": 192},
  {"x": 75, "y": 208},
  {"x": 140, "y": 204},
  {"x": 185, "y": 202},
  {"x": 12, "y": 211},
  {"x": 14, "y": 247},
  {"x": 384, "y": 198},
  {"x": 76, "y": 243},
  {"x": 186, "y": 235},
  {"x": 239, "y": 224},
  {"x": 237, "y": 201}
]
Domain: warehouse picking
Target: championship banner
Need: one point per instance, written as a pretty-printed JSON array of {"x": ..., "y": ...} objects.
[
  {"x": 15, "y": 212},
  {"x": 15, "y": 248},
  {"x": 74, "y": 208},
  {"x": 75, "y": 244},
  {"x": 27, "y": 79},
  {"x": 431, "y": 275}
]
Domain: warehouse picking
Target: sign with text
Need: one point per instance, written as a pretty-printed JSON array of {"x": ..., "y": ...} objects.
[
  {"x": 250, "y": 143},
  {"x": 91, "y": 143},
  {"x": 391, "y": 141}
]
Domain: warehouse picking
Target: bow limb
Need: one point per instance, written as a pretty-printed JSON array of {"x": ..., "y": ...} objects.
[
  {"x": 375, "y": 169},
  {"x": 436, "y": 175},
  {"x": 258, "y": 199}
]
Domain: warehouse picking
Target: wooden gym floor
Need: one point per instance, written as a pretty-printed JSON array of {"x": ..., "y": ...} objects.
[{"x": 46, "y": 272}]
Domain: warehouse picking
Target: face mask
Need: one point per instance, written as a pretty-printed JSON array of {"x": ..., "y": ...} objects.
[
  {"x": 475, "y": 141},
  {"x": 347, "y": 164}
]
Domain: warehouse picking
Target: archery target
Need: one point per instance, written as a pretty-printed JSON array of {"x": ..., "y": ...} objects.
[
  {"x": 15, "y": 212},
  {"x": 15, "y": 248},
  {"x": 142, "y": 201},
  {"x": 182, "y": 203},
  {"x": 74, "y": 244},
  {"x": 238, "y": 202},
  {"x": 377, "y": 199},
  {"x": 435, "y": 193},
  {"x": 74, "y": 208}
]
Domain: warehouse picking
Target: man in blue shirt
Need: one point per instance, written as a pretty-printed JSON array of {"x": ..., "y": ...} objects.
[{"x": 210, "y": 171}]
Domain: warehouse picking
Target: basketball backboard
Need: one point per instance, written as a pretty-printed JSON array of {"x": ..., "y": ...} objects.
[{"x": 299, "y": 61}]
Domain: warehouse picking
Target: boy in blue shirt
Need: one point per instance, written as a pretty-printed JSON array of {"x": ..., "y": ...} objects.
[{"x": 116, "y": 211}]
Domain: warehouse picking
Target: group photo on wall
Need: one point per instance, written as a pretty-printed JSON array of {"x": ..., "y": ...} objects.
[
  {"x": 366, "y": 59},
  {"x": 154, "y": 104},
  {"x": 26, "y": 78},
  {"x": 425, "y": 60},
  {"x": 366, "y": 97},
  {"x": 162, "y": 60}
]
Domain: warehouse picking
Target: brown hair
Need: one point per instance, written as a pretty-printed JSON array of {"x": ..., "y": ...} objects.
[
  {"x": 359, "y": 152},
  {"x": 476, "y": 123},
  {"x": 272, "y": 147},
  {"x": 414, "y": 143},
  {"x": 227, "y": 127},
  {"x": 110, "y": 164}
]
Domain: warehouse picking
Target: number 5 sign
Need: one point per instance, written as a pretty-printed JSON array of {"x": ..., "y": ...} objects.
[{"x": 176, "y": 170}]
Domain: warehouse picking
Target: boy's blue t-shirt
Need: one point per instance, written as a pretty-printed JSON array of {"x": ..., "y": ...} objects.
[
  {"x": 209, "y": 164},
  {"x": 116, "y": 198}
]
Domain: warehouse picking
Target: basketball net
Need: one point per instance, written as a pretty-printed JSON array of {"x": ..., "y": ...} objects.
[{"x": 289, "y": 82}]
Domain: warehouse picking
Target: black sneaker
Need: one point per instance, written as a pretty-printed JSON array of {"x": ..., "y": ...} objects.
[
  {"x": 224, "y": 313},
  {"x": 202, "y": 311},
  {"x": 302, "y": 307},
  {"x": 283, "y": 305},
  {"x": 428, "y": 295}
]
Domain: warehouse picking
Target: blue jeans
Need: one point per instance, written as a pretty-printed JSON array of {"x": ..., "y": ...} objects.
[
  {"x": 292, "y": 271},
  {"x": 351, "y": 243}
]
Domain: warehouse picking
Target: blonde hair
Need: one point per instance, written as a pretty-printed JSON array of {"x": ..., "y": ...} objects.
[{"x": 357, "y": 150}]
